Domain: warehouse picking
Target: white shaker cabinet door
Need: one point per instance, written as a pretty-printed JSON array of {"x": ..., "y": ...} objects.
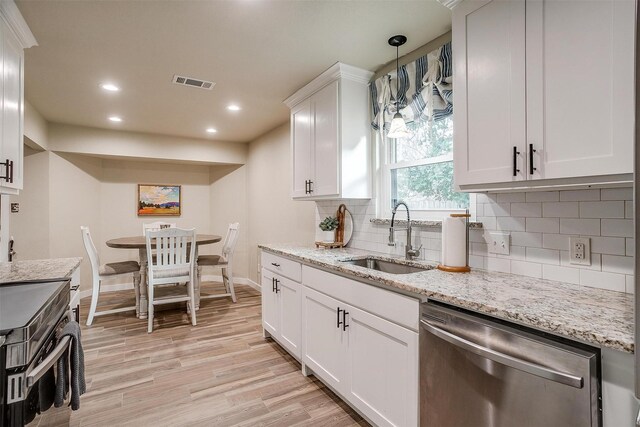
[
  {"x": 326, "y": 141},
  {"x": 324, "y": 341},
  {"x": 302, "y": 147},
  {"x": 270, "y": 310},
  {"x": 382, "y": 364},
  {"x": 489, "y": 80},
  {"x": 12, "y": 105},
  {"x": 289, "y": 295},
  {"x": 580, "y": 80}
]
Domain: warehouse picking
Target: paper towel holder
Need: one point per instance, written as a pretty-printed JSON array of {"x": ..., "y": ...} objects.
[{"x": 466, "y": 268}]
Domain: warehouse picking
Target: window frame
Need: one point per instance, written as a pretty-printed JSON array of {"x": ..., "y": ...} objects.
[{"x": 385, "y": 166}]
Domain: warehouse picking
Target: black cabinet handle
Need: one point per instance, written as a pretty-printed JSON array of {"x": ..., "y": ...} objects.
[
  {"x": 344, "y": 320},
  {"x": 273, "y": 284},
  {"x": 306, "y": 186},
  {"x": 310, "y": 188},
  {"x": 515, "y": 161},
  {"x": 531, "y": 151},
  {"x": 275, "y": 264},
  {"x": 75, "y": 287},
  {"x": 277, "y": 281},
  {"x": 338, "y": 317},
  {"x": 8, "y": 175}
]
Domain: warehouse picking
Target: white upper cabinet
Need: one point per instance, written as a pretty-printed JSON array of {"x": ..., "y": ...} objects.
[
  {"x": 489, "y": 89},
  {"x": 330, "y": 136},
  {"x": 543, "y": 92},
  {"x": 15, "y": 36},
  {"x": 580, "y": 80}
]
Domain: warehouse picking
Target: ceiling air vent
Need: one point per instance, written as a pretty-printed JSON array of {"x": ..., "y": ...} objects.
[{"x": 190, "y": 81}]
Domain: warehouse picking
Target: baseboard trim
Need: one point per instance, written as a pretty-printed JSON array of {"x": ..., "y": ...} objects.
[{"x": 205, "y": 278}]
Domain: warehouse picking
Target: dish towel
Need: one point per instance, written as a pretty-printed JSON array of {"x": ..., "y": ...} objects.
[
  {"x": 47, "y": 389},
  {"x": 71, "y": 364}
]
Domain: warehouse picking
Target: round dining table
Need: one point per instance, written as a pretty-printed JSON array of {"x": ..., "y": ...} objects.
[{"x": 140, "y": 243}]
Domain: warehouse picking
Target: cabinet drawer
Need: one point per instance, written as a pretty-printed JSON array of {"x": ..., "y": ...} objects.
[
  {"x": 283, "y": 266},
  {"x": 389, "y": 305}
]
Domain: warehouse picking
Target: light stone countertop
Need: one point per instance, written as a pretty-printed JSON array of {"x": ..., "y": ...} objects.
[
  {"x": 591, "y": 315},
  {"x": 420, "y": 223},
  {"x": 38, "y": 269}
]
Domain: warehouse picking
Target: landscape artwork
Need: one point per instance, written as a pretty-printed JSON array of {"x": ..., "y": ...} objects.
[{"x": 158, "y": 200}]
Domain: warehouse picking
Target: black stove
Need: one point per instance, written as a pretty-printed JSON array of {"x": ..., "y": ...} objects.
[{"x": 31, "y": 313}]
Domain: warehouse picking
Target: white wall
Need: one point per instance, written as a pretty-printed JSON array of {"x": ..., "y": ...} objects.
[
  {"x": 228, "y": 198},
  {"x": 118, "y": 200},
  {"x": 273, "y": 216},
  {"x": 30, "y": 226},
  {"x": 74, "y": 200}
]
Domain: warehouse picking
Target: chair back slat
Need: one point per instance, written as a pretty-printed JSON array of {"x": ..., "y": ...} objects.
[
  {"x": 175, "y": 248},
  {"x": 157, "y": 225},
  {"x": 230, "y": 240},
  {"x": 92, "y": 252}
]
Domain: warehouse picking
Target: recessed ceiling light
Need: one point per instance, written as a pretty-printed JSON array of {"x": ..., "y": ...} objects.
[
  {"x": 233, "y": 107},
  {"x": 115, "y": 119},
  {"x": 109, "y": 87},
  {"x": 211, "y": 130}
]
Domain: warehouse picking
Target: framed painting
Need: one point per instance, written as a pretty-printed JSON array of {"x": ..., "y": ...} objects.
[{"x": 159, "y": 200}]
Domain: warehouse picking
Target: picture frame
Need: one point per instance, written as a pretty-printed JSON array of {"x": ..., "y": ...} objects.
[{"x": 159, "y": 200}]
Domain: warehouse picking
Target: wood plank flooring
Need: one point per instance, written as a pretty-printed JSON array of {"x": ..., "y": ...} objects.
[{"x": 221, "y": 372}]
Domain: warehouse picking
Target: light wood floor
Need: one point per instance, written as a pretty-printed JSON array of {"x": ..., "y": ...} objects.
[{"x": 218, "y": 373}]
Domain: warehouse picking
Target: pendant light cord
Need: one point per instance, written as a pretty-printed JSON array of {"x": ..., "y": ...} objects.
[{"x": 397, "y": 78}]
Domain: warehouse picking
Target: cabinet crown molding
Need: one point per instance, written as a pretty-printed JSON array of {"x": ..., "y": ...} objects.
[
  {"x": 12, "y": 16},
  {"x": 335, "y": 72}
]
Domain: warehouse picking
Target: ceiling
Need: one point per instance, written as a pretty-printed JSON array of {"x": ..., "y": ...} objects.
[{"x": 258, "y": 52}]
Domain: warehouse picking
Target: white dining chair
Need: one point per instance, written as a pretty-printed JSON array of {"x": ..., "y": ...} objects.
[
  {"x": 155, "y": 226},
  {"x": 223, "y": 261},
  {"x": 100, "y": 272},
  {"x": 173, "y": 264}
]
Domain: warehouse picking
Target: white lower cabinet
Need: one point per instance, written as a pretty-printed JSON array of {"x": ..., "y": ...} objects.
[
  {"x": 281, "y": 310},
  {"x": 371, "y": 362},
  {"x": 382, "y": 365},
  {"x": 360, "y": 340},
  {"x": 324, "y": 342}
]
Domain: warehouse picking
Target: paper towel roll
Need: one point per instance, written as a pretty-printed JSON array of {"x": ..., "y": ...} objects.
[{"x": 454, "y": 242}]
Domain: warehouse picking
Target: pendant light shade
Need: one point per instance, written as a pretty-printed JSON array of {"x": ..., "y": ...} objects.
[{"x": 398, "y": 128}]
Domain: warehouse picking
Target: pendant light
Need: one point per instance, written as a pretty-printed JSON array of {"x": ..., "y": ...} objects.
[{"x": 398, "y": 128}]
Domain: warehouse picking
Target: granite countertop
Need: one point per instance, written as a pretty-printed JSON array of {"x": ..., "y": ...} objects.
[
  {"x": 420, "y": 223},
  {"x": 38, "y": 269},
  {"x": 591, "y": 315}
]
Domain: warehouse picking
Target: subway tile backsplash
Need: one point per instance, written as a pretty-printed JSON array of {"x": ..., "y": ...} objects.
[{"x": 540, "y": 224}]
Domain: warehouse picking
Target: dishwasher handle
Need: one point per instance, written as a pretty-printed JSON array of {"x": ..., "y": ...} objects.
[{"x": 505, "y": 359}]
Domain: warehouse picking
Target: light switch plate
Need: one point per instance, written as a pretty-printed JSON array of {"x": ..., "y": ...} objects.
[
  {"x": 580, "y": 250},
  {"x": 498, "y": 242}
]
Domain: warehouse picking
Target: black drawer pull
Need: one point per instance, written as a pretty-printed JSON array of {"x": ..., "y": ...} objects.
[
  {"x": 275, "y": 264},
  {"x": 515, "y": 161},
  {"x": 344, "y": 320},
  {"x": 277, "y": 289},
  {"x": 338, "y": 317}
]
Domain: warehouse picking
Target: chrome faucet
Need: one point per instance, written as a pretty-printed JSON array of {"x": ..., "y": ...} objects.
[{"x": 409, "y": 252}]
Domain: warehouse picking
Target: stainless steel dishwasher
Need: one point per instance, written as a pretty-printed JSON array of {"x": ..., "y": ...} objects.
[{"x": 479, "y": 372}]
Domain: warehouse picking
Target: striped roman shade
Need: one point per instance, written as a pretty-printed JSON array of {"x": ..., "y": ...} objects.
[{"x": 425, "y": 90}]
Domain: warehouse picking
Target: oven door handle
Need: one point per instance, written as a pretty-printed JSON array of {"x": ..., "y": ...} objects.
[
  {"x": 36, "y": 373},
  {"x": 505, "y": 359}
]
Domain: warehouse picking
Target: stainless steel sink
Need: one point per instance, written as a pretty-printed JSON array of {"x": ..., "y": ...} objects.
[{"x": 386, "y": 266}]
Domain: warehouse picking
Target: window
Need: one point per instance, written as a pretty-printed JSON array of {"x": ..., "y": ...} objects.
[{"x": 419, "y": 171}]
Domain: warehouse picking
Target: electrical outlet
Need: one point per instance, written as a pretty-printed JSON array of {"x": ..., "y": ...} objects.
[
  {"x": 580, "y": 250},
  {"x": 498, "y": 243}
]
